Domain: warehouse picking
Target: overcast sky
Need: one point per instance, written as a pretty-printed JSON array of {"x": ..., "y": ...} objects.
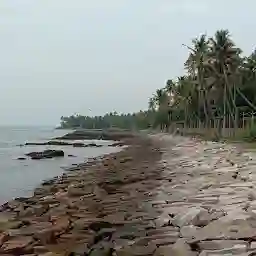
[{"x": 59, "y": 57}]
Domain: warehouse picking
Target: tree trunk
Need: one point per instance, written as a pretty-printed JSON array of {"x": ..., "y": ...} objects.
[{"x": 224, "y": 110}]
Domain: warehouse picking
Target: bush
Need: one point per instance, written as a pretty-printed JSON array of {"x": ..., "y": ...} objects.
[{"x": 250, "y": 133}]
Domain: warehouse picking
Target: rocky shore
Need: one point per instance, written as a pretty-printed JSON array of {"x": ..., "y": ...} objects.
[{"x": 160, "y": 196}]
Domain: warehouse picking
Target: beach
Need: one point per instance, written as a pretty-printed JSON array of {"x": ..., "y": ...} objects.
[{"x": 161, "y": 195}]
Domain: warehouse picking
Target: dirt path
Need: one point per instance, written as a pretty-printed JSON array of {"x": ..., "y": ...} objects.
[{"x": 163, "y": 196}]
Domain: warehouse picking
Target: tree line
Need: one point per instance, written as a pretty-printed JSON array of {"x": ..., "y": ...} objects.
[
  {"x": 218, "y": 84},
  {"x": 140, "y": 120}
]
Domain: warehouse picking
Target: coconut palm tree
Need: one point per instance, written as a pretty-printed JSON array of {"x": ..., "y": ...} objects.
[
  {"x": 161, "y": 99},
  {"x": 196, "y": 67},
  {"x": 225, "y": 60}
]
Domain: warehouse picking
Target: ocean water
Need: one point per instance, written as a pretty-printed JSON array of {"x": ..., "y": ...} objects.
[{"x": 18, "y": 178}]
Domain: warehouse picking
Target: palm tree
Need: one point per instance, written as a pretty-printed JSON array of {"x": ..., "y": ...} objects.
[
  {"x": 225, "y": 60},
  {"x": 196, "y": 68},
  {"x": 162, "y": 103}
]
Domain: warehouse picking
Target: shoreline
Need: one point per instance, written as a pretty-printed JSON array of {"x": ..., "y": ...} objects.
[
  {"x": 54, "y": 211},
  {"x": 20, "y": 176},
  {"x": 162, "y": 195}
]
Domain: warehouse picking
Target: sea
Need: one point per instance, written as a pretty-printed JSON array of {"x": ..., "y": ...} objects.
[{"x": 18, "y": 178}]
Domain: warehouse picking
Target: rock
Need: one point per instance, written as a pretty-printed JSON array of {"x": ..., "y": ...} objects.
[
  {"x": 94, "y": 145},
  {"x": 76, "y": 192},
  {"x": 52, "y": 254},
  {"x": 221, "y": 244},
  {"x": 252, "y": 196},
  {"x": 46, "y": 154},
  {"x": 188, "y": 217},
  {"x": 137, "y": 250},
  {"x": 117, "y": 144},
  {"x": 188, "y": 231},
  {"x": 3, "y": 238},
  {"x": 80, "y": 250},
  {"x": 45, "y": 236},
  {"x": 103, "y": 234},
  {"x": 78, "y": 145},
  {"x": 102, "y": 249},
  {"x": 21, "y": 158},
  {"x": 83, "y": 223},
  {"x": 202, "y": 219},
  {"x": 181, "y": 248},
  {"x": 49, "y": 143},
  {"x": 98, "y": 225},
  {"x": 126, "y": 159},
  {"x": 163, "y": 250},
  {"x": 17, "y": 245},
  {"x": 48, "y": 200},
  {"x": 232, "y": 226},
  {"x": 61, "y": 225},
  {"x": 62, "y": 143},
  {"x": 36, "y": 210},
  {"x": 8, "y": 221}
]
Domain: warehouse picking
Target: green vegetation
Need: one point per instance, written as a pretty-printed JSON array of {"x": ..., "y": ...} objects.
[
  {"x": 217, "y": 89},
  {"x": 140, "y": 120}
]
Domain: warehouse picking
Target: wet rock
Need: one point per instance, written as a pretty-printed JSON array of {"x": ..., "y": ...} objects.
[
  {"x": 94, "y": 145},
  {"x": 48, "y": 143},
  {"x": 78, "y": 145},
  {"x": 117, "y": 144},
  {"x": 21, "y": 158},
  {"x": 46, "y": 154}
]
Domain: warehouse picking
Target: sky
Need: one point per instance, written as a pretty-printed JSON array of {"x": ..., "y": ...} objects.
[{"x": 60, "y": 57}]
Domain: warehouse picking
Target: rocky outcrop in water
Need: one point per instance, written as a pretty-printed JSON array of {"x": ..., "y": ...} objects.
[
  {"x": 63, "y": 143},
  {"x": 46, "y": 154}
]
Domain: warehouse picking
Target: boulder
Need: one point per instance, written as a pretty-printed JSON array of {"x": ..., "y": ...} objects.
[
  {"x": 21, "y": 158},
  {"x": 46, "y": 154},
  {"x": 188, "y": 217},
  {"x": 94, "y": 145},
  {"x": 78, "y": 145}
]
